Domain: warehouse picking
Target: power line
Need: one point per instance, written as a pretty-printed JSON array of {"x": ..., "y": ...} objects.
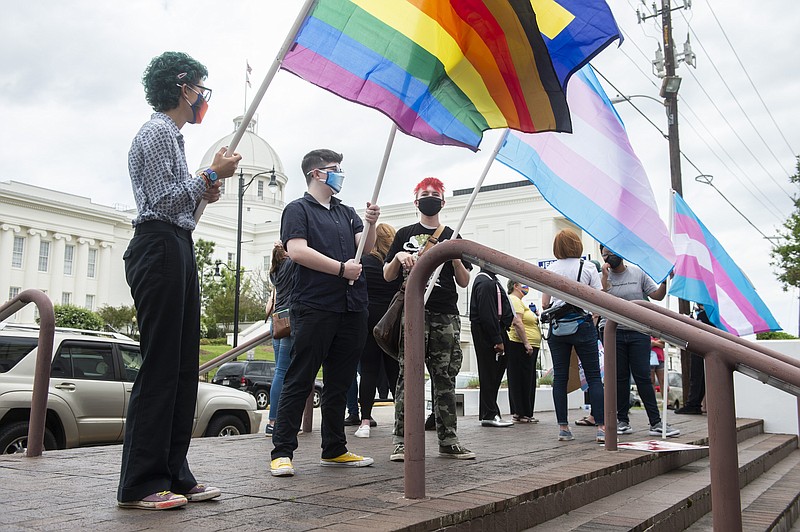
[
  {"x": 738, "y": 103},
  {"x": 772, "y": 208},
  {"x": 736, "y": 133},
  {"x": 791, "y": 150}
]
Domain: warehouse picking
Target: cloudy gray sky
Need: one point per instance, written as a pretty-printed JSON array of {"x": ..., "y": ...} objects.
[{"x": 71, "y": 100}]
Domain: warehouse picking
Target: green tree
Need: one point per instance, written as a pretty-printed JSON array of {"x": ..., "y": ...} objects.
[
  {"x": 786, "y": 256},
  {"x": 122, "y": 318},
  {"x": 203, "y": 252},
  {"x": 77, "y": 318},
  {"x": 221, "y": 303}
]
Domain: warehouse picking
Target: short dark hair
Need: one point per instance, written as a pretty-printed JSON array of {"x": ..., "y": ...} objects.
[
  {"x": 162, "y": 84},
  {"x": 317, "y": 159}
]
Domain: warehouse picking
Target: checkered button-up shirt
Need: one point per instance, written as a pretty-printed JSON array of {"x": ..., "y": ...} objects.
[{"x": 163, "y": 187}]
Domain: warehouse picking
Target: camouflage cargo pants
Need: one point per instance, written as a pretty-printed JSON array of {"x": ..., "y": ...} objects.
[{"x": 443, "y": 358}]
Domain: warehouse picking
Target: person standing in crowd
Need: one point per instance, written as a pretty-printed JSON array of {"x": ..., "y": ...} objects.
[
  {"x": 161, "y": 271},
  {"x": 657, "y": 362},
  {"x": 697, "y": 374},
  {"x": 328, "y": 314},
  {"x": 490, "y": 315},
  {"x": 443, "y": 354},
  {"x": 373, "y": 359},
  {"x": 568, "y": 248},
  {"x": 629, "y": 282},
  {"x": 522, "y": 352},
  {"x": 281, "y": 275}
]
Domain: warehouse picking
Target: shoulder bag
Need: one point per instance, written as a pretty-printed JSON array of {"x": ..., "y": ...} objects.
[
  {"x": 561, "y": 325},
  {"x": 388, "y": 329}
]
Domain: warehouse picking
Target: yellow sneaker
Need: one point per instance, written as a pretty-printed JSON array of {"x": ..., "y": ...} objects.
[
  {"x": 347, "y": 459},
  {"x": 281, "y": 467}
]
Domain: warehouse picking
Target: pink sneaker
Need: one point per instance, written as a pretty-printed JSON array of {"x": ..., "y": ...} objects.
[
  {"x": 163, "y": 500},
  {"x": 202, "y": 493}
]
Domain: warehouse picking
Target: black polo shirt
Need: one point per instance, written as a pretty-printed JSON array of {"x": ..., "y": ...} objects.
[{"x": 332, "y": 233}]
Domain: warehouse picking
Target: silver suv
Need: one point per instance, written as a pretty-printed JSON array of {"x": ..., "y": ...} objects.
[{"x": 90, "y": 383}]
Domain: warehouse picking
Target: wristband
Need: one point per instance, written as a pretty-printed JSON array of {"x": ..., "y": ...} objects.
[{"x": 341, "y": 269}]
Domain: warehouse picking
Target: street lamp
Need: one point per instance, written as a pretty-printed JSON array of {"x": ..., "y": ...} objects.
[{"x": 242, "y": 188}]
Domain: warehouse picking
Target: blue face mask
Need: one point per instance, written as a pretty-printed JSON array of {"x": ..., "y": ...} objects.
[{"x": 335, "y": 180}]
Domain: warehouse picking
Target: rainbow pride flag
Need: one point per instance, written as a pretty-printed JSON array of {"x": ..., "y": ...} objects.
[
  {"x": 444, "y": 71},
  {"x": 705, "y": 273},
  {"x": 594, "y": 178}
]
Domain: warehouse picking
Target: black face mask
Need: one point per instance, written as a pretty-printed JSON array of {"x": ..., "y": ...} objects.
[
  {"x": 429, "y": 205},
  {"x": 614, "y": 261}
]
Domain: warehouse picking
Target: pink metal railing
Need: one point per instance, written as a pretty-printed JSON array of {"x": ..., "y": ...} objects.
[
  {"x": 44, "y": 358},
  {"x": 723, "y": 354}
]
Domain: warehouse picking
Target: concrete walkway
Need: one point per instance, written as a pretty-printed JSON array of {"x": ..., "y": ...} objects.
[{"x": 74, "y": 489}]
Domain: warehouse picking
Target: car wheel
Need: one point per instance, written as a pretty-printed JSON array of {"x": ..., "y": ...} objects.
[
  {"x": 317, "y": 397},
  {"x": 225, "y": 425},
  {"x": 262, "y": 398},
  {"x": 676, "y": 405},
  {"x": 14, "y": 438}
]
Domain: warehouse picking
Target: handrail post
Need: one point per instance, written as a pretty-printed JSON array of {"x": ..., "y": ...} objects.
[
  {"x": 414, "y": 378},
  {"x": 610, "y": 384},
  {"x": 44, "y": 359},
  {"x": 725, "y": 504}
]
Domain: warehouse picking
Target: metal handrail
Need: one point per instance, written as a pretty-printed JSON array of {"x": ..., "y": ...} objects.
[
  {"x": 44, "y": 359},
  {"x": 722, "y": 354},
  {"x": 308, "y": 411},
  {"x": 235, "y": 352}
]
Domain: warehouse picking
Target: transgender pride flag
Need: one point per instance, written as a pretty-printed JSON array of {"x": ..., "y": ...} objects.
[
  {"x": 705, "y": 273},
  {"x": 593, "y": 178}
]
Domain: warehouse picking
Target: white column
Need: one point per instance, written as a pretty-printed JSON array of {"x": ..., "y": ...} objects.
[
  {"x": 57, "y": 267},
  {"x": 81, "y": 270},
  {"x": 31, "y": 268},
  {"x": 7, "y": 233},
  {"x": 103, "y": 273}
]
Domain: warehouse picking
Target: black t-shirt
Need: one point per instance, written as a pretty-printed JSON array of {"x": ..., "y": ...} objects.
[
  {"x": 412, "y": 239},
  {"x": 283, "y": 281},
  {"x": 332, "y": 233},
  {"x": 380, "y": 291}
]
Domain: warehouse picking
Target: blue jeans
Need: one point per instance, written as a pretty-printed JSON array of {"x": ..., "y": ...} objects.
[
  {"x": 283, "y": 355},
  {"x": 584, "y": 340},
  {"x": 633, "y": 358}
]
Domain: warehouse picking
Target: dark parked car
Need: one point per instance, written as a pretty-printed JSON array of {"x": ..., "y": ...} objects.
[{"x": 255, "y": 378}]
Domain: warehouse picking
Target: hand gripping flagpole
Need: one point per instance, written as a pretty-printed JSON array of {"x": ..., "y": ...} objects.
[
  {"x": 376, "y": 190},
  {"x": 471, "y": 200},
  {"x": 301, "y": 17}
]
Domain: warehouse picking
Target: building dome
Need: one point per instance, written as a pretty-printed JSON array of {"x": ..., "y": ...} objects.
[{"x": 257, "y": 154}]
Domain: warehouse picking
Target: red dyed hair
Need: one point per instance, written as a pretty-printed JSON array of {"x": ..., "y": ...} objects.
[{"x": 430, "y": 182}]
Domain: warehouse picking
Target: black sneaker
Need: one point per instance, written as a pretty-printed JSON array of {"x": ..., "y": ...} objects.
[
  {"x": 373, "y": 423},
  {"x": 430, "y": 423},
  {"x": 399, "y": 453},
  {"x": 690, "y": 410},
  {"x": 456, "y": 451},
  {"x": 352, "y": 420}
]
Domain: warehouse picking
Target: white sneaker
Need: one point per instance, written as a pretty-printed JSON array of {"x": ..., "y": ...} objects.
[{"x": 362, "y": 432}]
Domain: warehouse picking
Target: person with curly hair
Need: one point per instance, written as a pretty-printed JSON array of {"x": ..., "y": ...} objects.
[{"x": 162, "y": 274}]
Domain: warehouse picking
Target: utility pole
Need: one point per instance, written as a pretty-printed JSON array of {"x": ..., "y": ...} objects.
[
  {"x": 664, "y": 67},
  {"x": 671, "y": 100}
]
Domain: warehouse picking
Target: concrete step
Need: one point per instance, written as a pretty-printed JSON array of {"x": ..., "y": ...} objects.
[
  {"x": 674, "y": 499},
  {"x": 771, "y": 502}
]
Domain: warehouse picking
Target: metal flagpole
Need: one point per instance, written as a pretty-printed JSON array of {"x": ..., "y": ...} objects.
[
  {"x": 301, "y": 17},
  {"x": 665, "y": 384},
  {"x": 377, "y": 189},
  {"x": 471, "y": 200}
]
